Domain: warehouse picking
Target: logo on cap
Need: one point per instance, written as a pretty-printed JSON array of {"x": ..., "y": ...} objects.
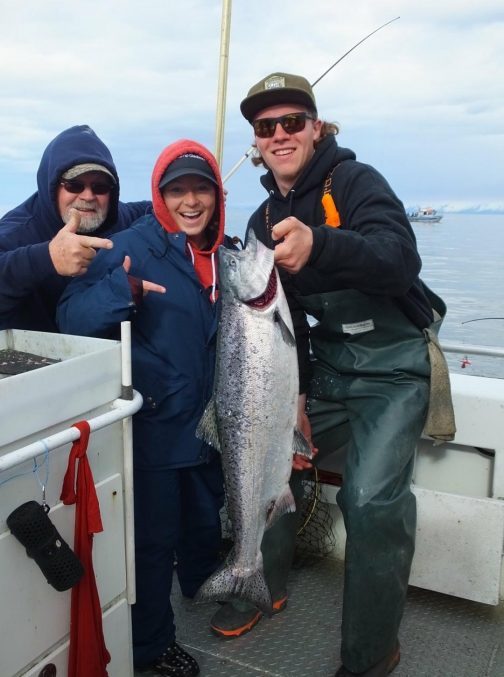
[
  {"x": 274, "y": 82},
  {"x": 198, "y": 157}
]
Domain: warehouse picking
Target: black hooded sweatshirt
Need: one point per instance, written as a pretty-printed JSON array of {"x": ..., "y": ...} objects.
[{"x": 373, "y": 251}]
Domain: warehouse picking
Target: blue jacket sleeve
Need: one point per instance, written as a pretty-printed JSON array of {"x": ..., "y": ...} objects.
[
  {"x": 96, "y": 303},
  {"x": 25, "y": 263}
]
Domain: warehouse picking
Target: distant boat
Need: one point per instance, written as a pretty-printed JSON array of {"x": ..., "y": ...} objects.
[{"x": 426, "y": 215}]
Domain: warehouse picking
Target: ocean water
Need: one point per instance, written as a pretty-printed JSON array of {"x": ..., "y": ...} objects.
[{"x": 463, "y": 262}]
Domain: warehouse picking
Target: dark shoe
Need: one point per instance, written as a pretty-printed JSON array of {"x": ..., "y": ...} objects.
[
  {"x": 380, "y": 669},
  {"x": 174, "y": 662},
  {"x": 236, "y": 618}
]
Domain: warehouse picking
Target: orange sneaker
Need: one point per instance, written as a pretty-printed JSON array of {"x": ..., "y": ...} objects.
[{"x": 236, "y": 618}]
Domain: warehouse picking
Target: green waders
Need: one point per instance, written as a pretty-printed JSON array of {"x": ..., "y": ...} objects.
[{"x": 370, "y": 390}]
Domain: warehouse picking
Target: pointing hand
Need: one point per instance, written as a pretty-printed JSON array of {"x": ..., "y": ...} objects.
[
  {"x": 71, "y": 254},
  {"x": 296, "y": 242},
  {"x": 146, "y": 285}
]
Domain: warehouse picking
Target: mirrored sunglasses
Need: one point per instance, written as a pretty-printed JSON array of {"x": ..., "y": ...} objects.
[
  {"x": 75, "y": 187},
  {"x": 292, "y": 123}
]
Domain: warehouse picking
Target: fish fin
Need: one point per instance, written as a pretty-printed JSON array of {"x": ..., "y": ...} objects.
[
  {"x": 301, "y": 445},
  {"x": 225, "y": 585},
  {"x": 284, "y": 329},
  {"x": 207, "y": 427},
  {"x": 284, "y": 503}
]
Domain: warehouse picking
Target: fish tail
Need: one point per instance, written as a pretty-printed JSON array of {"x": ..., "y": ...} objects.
[{"x": 225, "y": 584}]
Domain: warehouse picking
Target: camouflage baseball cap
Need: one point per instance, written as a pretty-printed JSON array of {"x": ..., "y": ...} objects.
[
  {"x": 277, "y": 88},
  {"x": 77, "y": 170}
]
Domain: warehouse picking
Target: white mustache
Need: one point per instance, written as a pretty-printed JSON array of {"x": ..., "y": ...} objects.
[{"x": 85, "y": 204}]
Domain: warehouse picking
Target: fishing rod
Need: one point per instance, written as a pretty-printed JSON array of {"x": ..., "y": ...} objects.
[
  {"x": 251, "y": 149},
  {"x": 222, "y": 83},
  {"x": 479, "y": 319}
]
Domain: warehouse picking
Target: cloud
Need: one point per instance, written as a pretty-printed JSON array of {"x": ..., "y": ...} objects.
[{"x": 422, "y": 99}]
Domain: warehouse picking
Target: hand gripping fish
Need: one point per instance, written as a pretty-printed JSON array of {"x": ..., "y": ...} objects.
[{"x": 252, "y": 415}]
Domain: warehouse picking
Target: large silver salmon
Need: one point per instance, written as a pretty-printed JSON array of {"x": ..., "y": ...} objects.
[{"x": 252, "y": 415}]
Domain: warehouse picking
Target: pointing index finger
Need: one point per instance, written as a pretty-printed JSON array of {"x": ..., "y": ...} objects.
[{"x": 96, "y": 242}]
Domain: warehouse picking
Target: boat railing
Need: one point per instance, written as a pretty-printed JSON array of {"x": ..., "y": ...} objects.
[
  {"x": 120, "y": 409},
  {"x": 471, "y": 349}
]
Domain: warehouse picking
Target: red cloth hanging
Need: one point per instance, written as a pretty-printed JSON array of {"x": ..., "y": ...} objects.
[{"x": 88, "y": 655}]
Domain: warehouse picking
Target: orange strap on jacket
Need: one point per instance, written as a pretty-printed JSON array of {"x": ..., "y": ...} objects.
[{"x": 332, "y": 217}]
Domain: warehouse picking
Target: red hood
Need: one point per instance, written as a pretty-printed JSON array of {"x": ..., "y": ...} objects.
[{"x": 167, "y": 156}]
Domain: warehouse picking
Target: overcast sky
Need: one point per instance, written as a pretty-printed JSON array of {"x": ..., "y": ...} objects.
[{"x": 422, "y": 100}]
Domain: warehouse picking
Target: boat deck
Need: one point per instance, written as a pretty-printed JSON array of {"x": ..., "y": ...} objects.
[{"x": 440, "y": 635}]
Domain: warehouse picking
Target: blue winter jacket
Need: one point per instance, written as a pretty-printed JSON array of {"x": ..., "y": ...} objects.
[
  {"x": 173, "y": 337},
  {"x": 29, "y": 284}
]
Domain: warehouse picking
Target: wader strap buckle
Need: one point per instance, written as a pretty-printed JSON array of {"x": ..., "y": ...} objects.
[{"x": 328, "y": 182}]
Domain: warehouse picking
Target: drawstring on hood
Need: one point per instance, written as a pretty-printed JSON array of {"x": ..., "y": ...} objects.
[
  {"x": 213, "y": 293},
  {"x": 203, "y": 260},
  {"x": 292, "y": 193}
]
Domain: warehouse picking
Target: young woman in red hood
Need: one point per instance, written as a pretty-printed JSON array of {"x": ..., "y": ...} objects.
[
  {"x": 187, "y": 197},
  {"x": 162, "y": 275}
]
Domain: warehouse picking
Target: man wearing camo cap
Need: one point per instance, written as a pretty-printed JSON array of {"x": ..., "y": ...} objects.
[{"x": 55, "y": 233}]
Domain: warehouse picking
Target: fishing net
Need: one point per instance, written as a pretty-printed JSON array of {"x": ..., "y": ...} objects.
[{"x": 315, "y": 536}]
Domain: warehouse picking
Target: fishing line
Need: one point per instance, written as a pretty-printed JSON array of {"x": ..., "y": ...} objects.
[
  {"x": 251, "y": 149},
  {"x": 352, "y": 49},
  {"x": 480, "y": 319}
]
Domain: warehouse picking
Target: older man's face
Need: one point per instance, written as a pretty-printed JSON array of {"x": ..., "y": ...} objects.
[{"x": 89, "y": 194}]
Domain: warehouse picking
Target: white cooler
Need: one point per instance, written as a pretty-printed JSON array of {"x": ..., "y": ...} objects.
[{"x": 37, "y": 409}]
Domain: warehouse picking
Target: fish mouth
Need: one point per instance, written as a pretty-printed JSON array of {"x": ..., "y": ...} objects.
[{"x": 268, "y": 295}]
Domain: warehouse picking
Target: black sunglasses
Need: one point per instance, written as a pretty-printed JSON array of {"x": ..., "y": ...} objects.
[
  {"x": 75, "y": 187},
  {"x": 292, "y": 123}
]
